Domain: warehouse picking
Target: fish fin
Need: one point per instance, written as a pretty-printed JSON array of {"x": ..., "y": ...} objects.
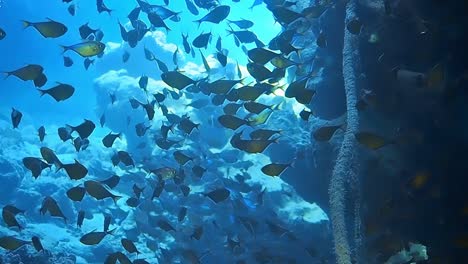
[
  {"x": 110, "y": 232},
  {"x": 26, "y": 24},
  {"x": 64, "y": 48},
  {"x": 42, "y": 92},
  {"x": 116, "y": 198},
  {"x": 58, "y": 166}
]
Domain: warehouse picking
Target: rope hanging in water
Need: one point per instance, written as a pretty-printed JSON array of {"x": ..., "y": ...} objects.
[{"x": 346, "y": 166}]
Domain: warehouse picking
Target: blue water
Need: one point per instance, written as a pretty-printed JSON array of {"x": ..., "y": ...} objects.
[{"x": 264, "y": 219}]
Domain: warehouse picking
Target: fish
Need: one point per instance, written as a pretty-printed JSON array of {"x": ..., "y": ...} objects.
[
  {"x": 129, "y": 246},
  {"x": 260, "y": 119},
  {"x": 84, "y": 129},
  {"x": 181, "y": 158},
  {"x": 141, "y": 129},
  {"x": 61, "y": 92},
  {"x": 218, "y": 195},
  {"x": 80, "y": 219},
  {"x": 40, "y": 81},
  {"x": 165, "y": 225},
  {"x": 76, "y": 170},
  {"x": 275, "y": 169},
  {"x": 64, "y": 133},
  {"x": 76, "y": 193},
  {"x": 205, "y": 63},
  {"x": 198, "y": 171},
  {"x": 232, "y": 122},
  {"x": 99, "y": 192},
  {"x": 185, "y": 42},
  {"x": 192, "y": 8},
  {"x": 256, "y": 108},
  {"x": 143, "y": 82},
  {"x": 50, "y": 205},
  {"x": 16, "y": 117},
  {"x": 259, "y": 72},
  {"x": 67, "y": 61},
  {"x": 157, "y": 21},
  {"x": 71, "y": 9},
  {"x": 107, "y": 222},
  {"x": 165, "y": 130},
  {"x": 132, "y": 202},
  {"x": 2, "y": 34},
  {"x": 49, "y": 156},
  {"x": 10, "y": 219},
  {"x": 370, "y": 140},
  {"x": 202, "y": 40},
  {"x": 125, "y": 56},
  {"x": 182, "y": 213},
  {"x": 354, "y": 26},
  {"x": 305, "y": 115},
  {"x": 281, "y": 62},
  {"x": 158, "y": 189},
  {"x": 102, "y": 119},
  {"x": 242, "y": 23},
  {"x": 216, "y": 15},
  {"x": 263, "y": 134},
  {"x": 231, "y": 108},
  {"x": 325, "y": 133},
  {"x": 285, "y": 16},
  {"x": 137, "y": 190},
  {"x": 85, "y": 31},
  {"x": 185, "y": 190},
  {"x": 261, "y": 55},
  {"x": 87, "y": 48},
  {"x": 88, "y": 62},
  {"x": 176, "y": 79},
  {"x": 12, "y": 243},
  {"x": 109, "y": 139},
  {"x": 13, "y": 209},
  {"x": 35, "y": 165},
  {"x": 29, "y": 72},
  {"x": 101, "y": 7},
  {"x": 125, "y": 158},
  {"x": 37, "y": 244},
  {"x": 48, "y": 29},
  {"x": 112, "y": 181},
  {"x": 162, "y": 66},
  {"x": 94, "y": 238}
]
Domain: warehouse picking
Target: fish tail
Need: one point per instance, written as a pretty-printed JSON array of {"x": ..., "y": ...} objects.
[
  {"x": 64, "y": 48},
  {"x": 115, "y": 198},
  {"x": 42, "y": 92},
  {"x": 26, "y": 24},
  {"x": 58, "y": 166}
]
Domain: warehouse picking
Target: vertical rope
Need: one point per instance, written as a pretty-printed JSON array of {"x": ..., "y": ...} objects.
[{"x": 346, "y": 167}]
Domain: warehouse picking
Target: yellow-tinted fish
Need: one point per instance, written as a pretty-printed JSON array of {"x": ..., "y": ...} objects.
[
  {"x": 254, "y": 146},
  {"x": 275, "y": 169},
  {"x": 181, "y": 158},
  {"x": 370, "y": 140},
  {"x": 48, "y": 29},
  {"x": 325, "y": 133},
  {"x": 260, "y": 119},
  {"x": 12, "y": 243},
  {"x": 86, "y": 49},
  {"x": 232, "y": 122}
]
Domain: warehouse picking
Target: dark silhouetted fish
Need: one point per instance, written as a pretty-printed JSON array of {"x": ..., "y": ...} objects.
[
  {"x": 61, "y": 92},
  {"x": 125, "y": 158},
  {"x": 35, "y": 165},
  {"x": 37, "y": 244},
  {"x": 27, "y": 73},
  {"x": 109, "y": 139},
  {"x": 216, "y": 15},
  {"x": 75, "y": 170},
  {"x": 67, "y": 61},
  {"x": 48, "y": 29},
  {"x": 84, "y": 129},
  {"x": 218, "y": 195},
  {"x": 51, "y": 206},
  {"x": 99, "y": 192},
  {"x": 76, "y": 193},
  {"x": 16, "y": 117},
  {"x": 202, "y": 40},
  {"x": 176, "y": 79}
]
